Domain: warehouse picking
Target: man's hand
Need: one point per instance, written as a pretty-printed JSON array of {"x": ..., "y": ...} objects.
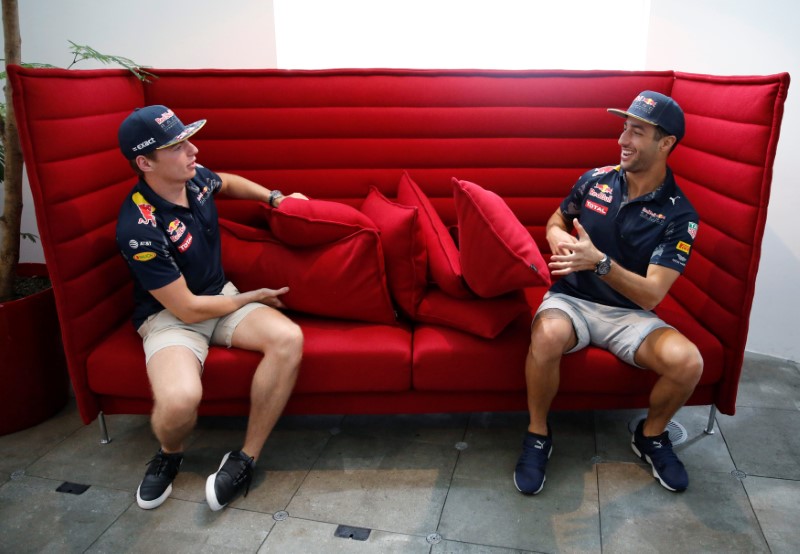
[
  {"x": 297, "y": 195},
  {"x": 574, "y": 254},
  {"x": 268, "y": 297}
]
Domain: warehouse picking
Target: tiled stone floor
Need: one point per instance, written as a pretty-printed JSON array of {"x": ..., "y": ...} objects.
[{"x": 431, "y": 483}]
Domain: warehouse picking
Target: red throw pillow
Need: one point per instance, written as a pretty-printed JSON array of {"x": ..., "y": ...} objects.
[
  {"x": 403, "y": 247},
  {"x": 484, "y": 317},
  {"x": 443, "y": 260},
  {"x": 498, "y": 255},
  {"x": 299, "y": 222},
  {"x": 345, "y": 279}
]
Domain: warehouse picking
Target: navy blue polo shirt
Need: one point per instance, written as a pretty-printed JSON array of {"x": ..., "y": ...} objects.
[
  {"x": 657, "y": 228},
  {"x": 162, "y": 241}
]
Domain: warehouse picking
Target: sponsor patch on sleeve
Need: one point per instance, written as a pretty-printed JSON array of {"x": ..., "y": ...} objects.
[
  {"x": 144, "y": 256},
  {"x": 684, "y": 246}
]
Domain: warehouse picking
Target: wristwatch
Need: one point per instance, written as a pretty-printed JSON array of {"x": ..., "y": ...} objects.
[
  {"x": 603, "y": 266},
  {"x": 274, "y": 194}
]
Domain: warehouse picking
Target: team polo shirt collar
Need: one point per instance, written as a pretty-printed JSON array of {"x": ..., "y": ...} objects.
[{"x": 659, "y": 195}]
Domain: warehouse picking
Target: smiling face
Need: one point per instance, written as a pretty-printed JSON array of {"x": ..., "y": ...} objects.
[{"x": 643, "y": 146}]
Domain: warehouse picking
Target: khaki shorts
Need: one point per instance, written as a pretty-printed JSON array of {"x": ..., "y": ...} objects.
[
  {"x": 163, "y": 329},
  {"x": 621, "y": 331}
]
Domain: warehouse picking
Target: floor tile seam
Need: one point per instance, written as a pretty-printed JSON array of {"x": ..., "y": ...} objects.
[
  {"x": 771, "y": 477},
  {"x": 111, "y": 524},
  {"x": 755, "y": 514},
  {"x": 422, "y": 535},
  {"x": 308, "y": 471},
  {"x": 464, "y": 433}
]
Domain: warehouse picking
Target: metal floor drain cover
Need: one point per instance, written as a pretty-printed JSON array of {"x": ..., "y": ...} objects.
[{"x": 677, "y": 432}]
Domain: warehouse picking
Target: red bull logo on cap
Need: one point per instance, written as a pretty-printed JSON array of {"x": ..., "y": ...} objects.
[
  {"x": 145, "y": 208},
  {"x": 165, "y": 116}
]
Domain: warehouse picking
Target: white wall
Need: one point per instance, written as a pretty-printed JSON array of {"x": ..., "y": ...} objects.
[
  {"x": 742, "y": 37},
  {"x": 185, "y": 34},
  {"x": 732, "y": 37}
]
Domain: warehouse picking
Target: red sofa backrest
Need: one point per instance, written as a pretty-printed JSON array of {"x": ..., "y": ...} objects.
[{"x": 526, "y": 135}]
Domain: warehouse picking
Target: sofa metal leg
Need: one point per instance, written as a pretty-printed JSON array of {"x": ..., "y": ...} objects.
[
  {"x": 104, "y": 438},
  {"x": 709, "y": 430}
]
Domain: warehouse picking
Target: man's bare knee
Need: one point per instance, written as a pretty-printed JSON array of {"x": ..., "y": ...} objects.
[
  {"x": 288, "y": 343},
  {"x": 552, "y": 331}
]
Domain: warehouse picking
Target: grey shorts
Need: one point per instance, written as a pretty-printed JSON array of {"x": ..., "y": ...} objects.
[
  {"x": 163, "y": 329},
  {"x": 619, "y": 330}
]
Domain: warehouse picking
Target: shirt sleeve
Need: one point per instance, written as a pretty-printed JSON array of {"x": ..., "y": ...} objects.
[
  {"x": 676, "y": 245},
  {"x": 148, "y": 256}
]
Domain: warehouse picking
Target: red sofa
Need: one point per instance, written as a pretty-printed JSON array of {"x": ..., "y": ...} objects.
[{"x": 333, "y": 135}]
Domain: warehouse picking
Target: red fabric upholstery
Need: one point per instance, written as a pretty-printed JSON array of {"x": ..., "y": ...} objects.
[
  {"x": 378, "y": 359},
  {"x": 344, "y": 279},
  {"x": 302, "y": 223},
  {"x": 403, "y": 246},
  {"x": 443, "y": 259},
  {"x": 483, "y": 317},
  {"x": 525, "y": 135},
  {"x": 497, "y": 254}
]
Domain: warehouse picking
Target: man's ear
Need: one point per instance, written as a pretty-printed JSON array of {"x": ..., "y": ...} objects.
[
  {"x": 668, "y": 142},
  {"x": 144, "y": 164}
]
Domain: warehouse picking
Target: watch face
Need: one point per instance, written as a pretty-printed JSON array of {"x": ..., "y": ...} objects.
[{"x": 603, "y": 267}]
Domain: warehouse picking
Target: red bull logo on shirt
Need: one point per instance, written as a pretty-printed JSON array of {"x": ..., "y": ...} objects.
[
  {"x": 145, "y": 208},
  {"x": 176, "y": 229},
  {"x": 602, "y": 192}
]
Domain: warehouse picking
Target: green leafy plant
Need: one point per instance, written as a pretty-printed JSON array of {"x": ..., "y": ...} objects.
[{"x": 10, "y": 152}]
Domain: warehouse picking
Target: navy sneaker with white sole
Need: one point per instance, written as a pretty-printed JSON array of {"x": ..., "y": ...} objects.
[
  {"x": 529, "y": 475},
  {"x": 657, "y": 451}
]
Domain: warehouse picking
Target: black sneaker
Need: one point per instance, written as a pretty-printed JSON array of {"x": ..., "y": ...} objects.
[
  {"x": 234, "y": 474},
  {"x": 529, "y": 474},
  {"x": 657, "y": 451},
  {"x": 156, "y": 486}
]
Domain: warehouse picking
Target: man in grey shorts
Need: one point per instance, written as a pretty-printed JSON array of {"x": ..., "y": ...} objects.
[
  {"x": 168, "y": 233},
  {"x": 634, "y": 230}
]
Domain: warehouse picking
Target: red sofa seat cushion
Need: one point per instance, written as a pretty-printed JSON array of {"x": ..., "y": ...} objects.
[
  {"x": 446, "y": 359},
  {"x": 374, "y": 358}
]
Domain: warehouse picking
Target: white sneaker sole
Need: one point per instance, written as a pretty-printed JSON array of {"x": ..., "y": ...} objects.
[
  {"x": 155, "y": 503},
  {"x": 211, "y": 494}
]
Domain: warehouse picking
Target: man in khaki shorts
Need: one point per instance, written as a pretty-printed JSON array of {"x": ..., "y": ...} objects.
[
  {"x": 168, "y": 233},
  {"x": 634, "y": 233}
]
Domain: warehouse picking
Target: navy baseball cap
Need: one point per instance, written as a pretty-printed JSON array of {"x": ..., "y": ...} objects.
[
  {"x": 656, "y": 109},
  {"x": 152, "y": 128}
]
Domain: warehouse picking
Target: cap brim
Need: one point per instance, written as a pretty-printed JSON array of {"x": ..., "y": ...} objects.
[
  {"x": 190, "y": 130},
  {"x": 623, "y": 114}
]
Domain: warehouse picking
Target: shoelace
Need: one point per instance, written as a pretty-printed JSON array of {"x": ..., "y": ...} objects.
[
  {"x": 534, "y": 456},
  {"x": 163, "y": 464},
  {"x": 245, "y": 473},
  {"x": 663, "y": 453}
]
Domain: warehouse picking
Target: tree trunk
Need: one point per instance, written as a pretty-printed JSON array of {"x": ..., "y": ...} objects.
[{"x": 10, "y": 221}]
